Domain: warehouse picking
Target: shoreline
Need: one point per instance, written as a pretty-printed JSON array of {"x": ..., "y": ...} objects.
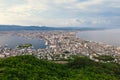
[{"x": 62, "y": 45}]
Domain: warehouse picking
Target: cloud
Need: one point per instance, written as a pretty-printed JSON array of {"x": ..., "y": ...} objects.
[
  {"x": 60, "y": 12},
  {"x": 87, "y": 4}
]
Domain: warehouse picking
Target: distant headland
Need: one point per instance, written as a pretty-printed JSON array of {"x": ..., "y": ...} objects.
[{"x": 19, "y": 27}]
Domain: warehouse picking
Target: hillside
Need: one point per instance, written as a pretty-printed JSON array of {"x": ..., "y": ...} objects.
[
  {"x": 80, "y": 68},
  {"x": 18, "y": 28}
]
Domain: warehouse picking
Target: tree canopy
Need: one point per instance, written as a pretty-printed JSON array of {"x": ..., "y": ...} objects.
[{"x": 81, "y": 68}]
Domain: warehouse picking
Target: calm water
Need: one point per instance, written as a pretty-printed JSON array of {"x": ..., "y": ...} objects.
[
  {"x": 111, "y": 37},
  {"x": 13, "y": 41}
]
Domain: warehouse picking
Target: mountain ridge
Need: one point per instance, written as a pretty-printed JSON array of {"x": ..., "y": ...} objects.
[{"x": 19, "y": 27}]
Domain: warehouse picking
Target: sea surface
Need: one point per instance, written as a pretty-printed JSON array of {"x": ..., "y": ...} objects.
[
  {"x": 12, "y": 41},
  {"x": 110, "y": 36}
]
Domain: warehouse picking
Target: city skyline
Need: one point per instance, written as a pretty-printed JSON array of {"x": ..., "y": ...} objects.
[{"x": 60, "y": 13}]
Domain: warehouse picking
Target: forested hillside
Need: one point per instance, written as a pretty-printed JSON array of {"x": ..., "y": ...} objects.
[{"x": 80, "y": 68}]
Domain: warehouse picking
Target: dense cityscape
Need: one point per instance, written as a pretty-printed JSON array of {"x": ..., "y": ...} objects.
[
  {"x": 59, "y": 39},
  {"x": 60, "y": 45}
]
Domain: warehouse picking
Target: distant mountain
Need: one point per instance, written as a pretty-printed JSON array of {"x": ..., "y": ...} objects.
[{"x": 17, "y": 28}]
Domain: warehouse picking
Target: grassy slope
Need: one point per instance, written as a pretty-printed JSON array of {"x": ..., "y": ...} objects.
[{"x": 30, "y": 68}]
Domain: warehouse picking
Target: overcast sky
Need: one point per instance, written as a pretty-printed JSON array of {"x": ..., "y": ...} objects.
[{"x": 76, "y": 13}]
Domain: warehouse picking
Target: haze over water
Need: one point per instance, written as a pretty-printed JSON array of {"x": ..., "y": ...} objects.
[{"x": 111, "y": 36}]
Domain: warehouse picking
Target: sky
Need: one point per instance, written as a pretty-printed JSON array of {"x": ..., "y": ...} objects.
[{"x": 60, "y": 13}]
